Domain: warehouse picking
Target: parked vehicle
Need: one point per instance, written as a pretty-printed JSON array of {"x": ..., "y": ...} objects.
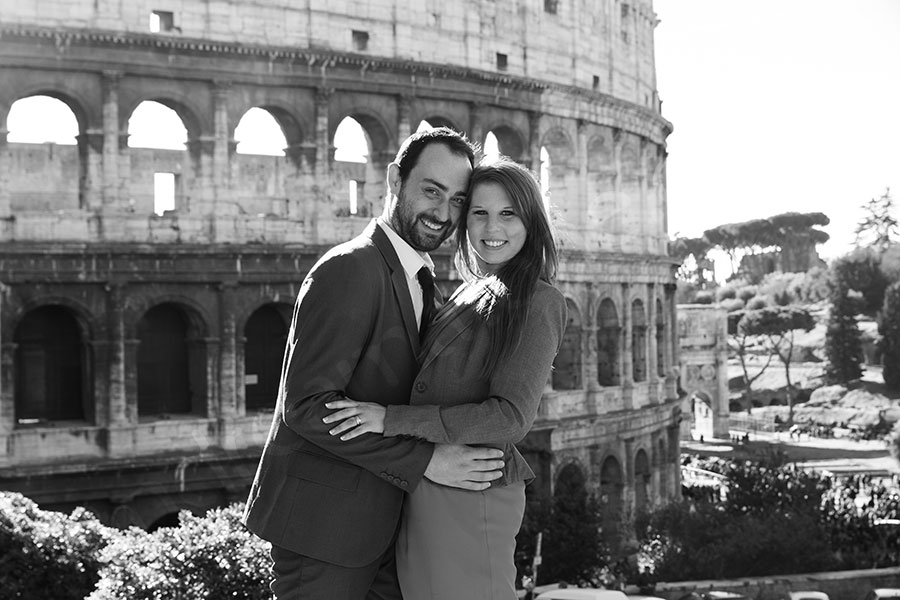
[
  {"x": 712, "y": 595},
  {"x": 883, "y": 594},
  {"x": 581, "y": 594},
  {"x": 808, "y": 595}
]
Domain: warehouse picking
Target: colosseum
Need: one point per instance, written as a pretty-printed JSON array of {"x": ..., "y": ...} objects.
[{"x": 146, "y": 291}]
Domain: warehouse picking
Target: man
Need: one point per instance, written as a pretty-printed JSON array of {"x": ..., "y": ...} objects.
[{"x": 331, "y": 508}]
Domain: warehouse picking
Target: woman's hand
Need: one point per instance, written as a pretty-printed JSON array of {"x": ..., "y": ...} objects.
[{"x": 356, "y": 418}]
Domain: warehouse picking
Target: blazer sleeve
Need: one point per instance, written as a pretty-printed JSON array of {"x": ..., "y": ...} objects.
[
  {"x": 515, "y": 390},
  {"x": 333, "y": 323}
]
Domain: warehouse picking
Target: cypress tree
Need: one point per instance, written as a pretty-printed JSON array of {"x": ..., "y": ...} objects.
[
  {"x": 889, "y": 328},
  {"x": 843, "y": 339}
]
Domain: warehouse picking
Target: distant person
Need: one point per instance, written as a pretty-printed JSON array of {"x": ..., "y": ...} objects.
[
  {"x": 331, "y": 509},
  {"x": 485, "y": 363}
]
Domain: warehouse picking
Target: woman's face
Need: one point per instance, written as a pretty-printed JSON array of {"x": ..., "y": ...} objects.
[{"x": 494, "y": 227}]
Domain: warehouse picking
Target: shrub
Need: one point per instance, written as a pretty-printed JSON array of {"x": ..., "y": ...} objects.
[
  {"x": 703, "y": 297},
  {"x": 747, "y": 292},
  {"x": 889, "y": 328},
  {"x": 732, "y": 305},
  {"x": 843, "y": 339},
  {"x": 43, "y": 550},
  {"x": 726, "y": 293},
  {"x": 211, "y": 557},
  {"x": 757, "y": 303}
]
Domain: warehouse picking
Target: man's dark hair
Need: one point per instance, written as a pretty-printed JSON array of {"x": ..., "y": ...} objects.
[{"x": 409, "y": 152}]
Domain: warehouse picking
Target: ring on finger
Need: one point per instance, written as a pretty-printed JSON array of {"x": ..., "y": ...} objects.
[{"x": 358, "y": 421}]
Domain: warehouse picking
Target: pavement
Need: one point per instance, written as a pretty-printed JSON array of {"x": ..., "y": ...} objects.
[{"x": 841, "y": 456}]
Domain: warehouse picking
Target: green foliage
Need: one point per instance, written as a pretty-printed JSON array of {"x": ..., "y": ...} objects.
[
  {"x": 44, "y": 550},
  {"x": 773, "y": 520},
  {"x": 861, "y": 271},
  {"x": 747, "y": 292},
  {"x": 878, "y": 228},
  {"x": 727, "y": 292},
  {"x": 843, "y": 339},
  {"x": 704, "y": 297},
  {"x": 211, "y": 557},
  {"x": 757, "y": 303},
  {"x": 732, "y": 305},
  {"x": 889, "y": 328}
]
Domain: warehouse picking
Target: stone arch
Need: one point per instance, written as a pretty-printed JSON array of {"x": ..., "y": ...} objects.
[
  {"x": 559, "y": 144},
  {"x": 80, "y": 106},
  {"x": 171, "y": 361},
  {"x": 265, "y": 334},
  {"x": 509, "y": 139},
  {"x": 185, "y": 106},
  {"x": 642, "y": 475},
  {"x": 377, "y": 131},
  {"x": 295, "y": 127},
  {"x": 630, "y": 157},
  {"x": 53, "y": 366},
  {"x": 638, "y": 341},
  {"x": 600, "y": 156},
  {"x": 608, "y": 343},
  {"x": 440, "y": 121},
  {"x": 570, "y": 478},
  {"x": 568, "y": 364}
]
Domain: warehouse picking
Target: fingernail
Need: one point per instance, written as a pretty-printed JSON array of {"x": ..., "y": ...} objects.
[
  {"x": 328, "y": 405},
  {"x": 332, "y": 432}
]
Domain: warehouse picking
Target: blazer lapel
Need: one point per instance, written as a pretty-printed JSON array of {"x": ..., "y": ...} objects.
[
  {"x": 452, "y": 320},
  {"x": 398, "y": 280}
]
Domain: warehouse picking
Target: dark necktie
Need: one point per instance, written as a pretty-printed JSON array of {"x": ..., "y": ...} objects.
[{"x": 427, "y": 283}]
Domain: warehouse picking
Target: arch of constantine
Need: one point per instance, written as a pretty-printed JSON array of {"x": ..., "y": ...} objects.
[{"x": 140, "y": 340}]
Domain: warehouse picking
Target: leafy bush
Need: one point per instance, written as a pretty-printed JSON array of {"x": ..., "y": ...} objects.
[
  {"x": 747, "y": 292},
  {"x": 757, "y": 303},
  {"x": 732, "y": 305},
  {"x": 703, "y": 297},
  {"x": 889, "y": 328},
  {"x": 726, "y": 293},
  {"x": 44, "y": 550},
  {"x": 211, "y": 557}
]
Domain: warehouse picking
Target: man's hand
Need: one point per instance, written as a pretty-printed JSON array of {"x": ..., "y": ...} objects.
[{"x": 464, "y": 467}]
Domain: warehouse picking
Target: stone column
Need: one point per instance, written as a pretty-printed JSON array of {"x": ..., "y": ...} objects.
[
  {"x": 672, "y": 357},
  {"x": 627, "y": 361},
  {"x": 221, "y": 153},
  {"x": 90, "y": 153},
  {"x": 4, "y": 173},
  {"x": 534, "y": 140},
  {"x": 200, "y": 198},
  {"x": 301, "y": 184},
  {"x": 111, "y": 139},
  {"x": 580, "y": 205},
  {"x": 647, "y": 216},
  {"x": 229, "y": 378},
  {"x": 404, "y": 127},
  {"x": 652, "y": 348},
  {"x": 618, "y": 217},
  {"x": 318, "y": 203},
  {"x": 117, "y": 403},
  {"x": 7, "y": 394},
  {"x": 476, "y": 132}
]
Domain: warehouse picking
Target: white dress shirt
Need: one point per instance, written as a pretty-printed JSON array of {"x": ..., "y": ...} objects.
[{"x": 412, "y": 260}]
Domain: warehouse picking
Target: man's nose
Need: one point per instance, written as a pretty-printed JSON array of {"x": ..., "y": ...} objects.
[{"x": 441, "y": 211}]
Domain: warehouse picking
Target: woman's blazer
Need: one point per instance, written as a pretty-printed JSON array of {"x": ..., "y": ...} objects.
[{"x": 452, "y": 402}]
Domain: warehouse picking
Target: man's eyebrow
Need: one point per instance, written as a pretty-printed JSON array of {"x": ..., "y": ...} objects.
[{"x": 436, "y": 183}]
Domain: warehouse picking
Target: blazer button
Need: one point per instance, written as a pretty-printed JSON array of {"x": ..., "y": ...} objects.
[{"x": 421, "y": 386}]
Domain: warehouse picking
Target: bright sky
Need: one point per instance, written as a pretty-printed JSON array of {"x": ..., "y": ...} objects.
[{"x": 779, "y": 106}]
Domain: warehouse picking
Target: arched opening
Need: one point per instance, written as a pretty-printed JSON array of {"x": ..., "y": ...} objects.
[
  {"x": 608, "y": 334},
  {"x": 638, "y": 341},
  {"x": 641, "y": 482},
  {"x": 167, "y": 520},
  {"x": 567, "y": 365},
  {"x": 506, "y": 141},
  {"x": 171, "y": 363},
  {"x": 158, "y": 137},
  {"x": 266, "y": 333},
  {"x": 612, "y": 489},
  {"x": 660, "y": 340},
  {"x": 545, "y": 174},
  {"x": 351, "y": 154},
  {"x": 259, "y": 133},
  {"x": 52, "y": 368},
  {"x": 663, "y": 466},
  {"x": 43, "y": 133}
]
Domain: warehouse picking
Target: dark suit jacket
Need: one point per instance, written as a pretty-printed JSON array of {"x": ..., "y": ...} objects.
[
  {"x": 452, "y": 402},
  {"x": 353, "y": 334}
]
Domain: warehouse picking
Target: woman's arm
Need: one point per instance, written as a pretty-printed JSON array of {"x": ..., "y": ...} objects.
[{"x": 515, "y": 390}]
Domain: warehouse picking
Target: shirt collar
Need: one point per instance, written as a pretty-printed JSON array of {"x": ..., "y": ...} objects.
[{"x": 412, "y": 260}]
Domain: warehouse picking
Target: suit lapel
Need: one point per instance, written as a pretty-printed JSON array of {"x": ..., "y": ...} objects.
[
  {"x": 398, "y": 281},
  {"x": 452, "y": 320}
]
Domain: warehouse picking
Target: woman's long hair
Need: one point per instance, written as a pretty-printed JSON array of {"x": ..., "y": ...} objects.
[{"x": 506, "y": 295}]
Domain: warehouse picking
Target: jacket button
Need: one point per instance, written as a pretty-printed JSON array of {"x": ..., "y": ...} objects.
[{"x": 421, "y": 386}]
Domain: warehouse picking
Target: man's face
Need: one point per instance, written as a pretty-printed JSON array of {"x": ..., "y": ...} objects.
[{"x": 426, "y": 207}]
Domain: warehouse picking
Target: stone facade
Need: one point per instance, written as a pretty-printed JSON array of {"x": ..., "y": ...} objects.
[
  {"x": 703, "y": 337},
  {"x": 137, "y": 350}
]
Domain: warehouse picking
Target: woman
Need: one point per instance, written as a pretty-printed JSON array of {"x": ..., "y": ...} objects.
[{"x": 485, "y": 361}]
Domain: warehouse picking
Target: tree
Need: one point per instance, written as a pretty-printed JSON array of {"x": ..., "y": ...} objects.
[
  {"x": 777, "y": 325},
  {"x": 692, "y": 255},
  {"x": 843, "y": 339},
  {"x": 878, "y": 227},
  {"x": 889, "y": 328},
  {"x": 740, "y": 340}
]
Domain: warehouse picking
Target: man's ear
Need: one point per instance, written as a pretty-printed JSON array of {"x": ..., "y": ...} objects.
[{"x": 393, "y": 179}]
